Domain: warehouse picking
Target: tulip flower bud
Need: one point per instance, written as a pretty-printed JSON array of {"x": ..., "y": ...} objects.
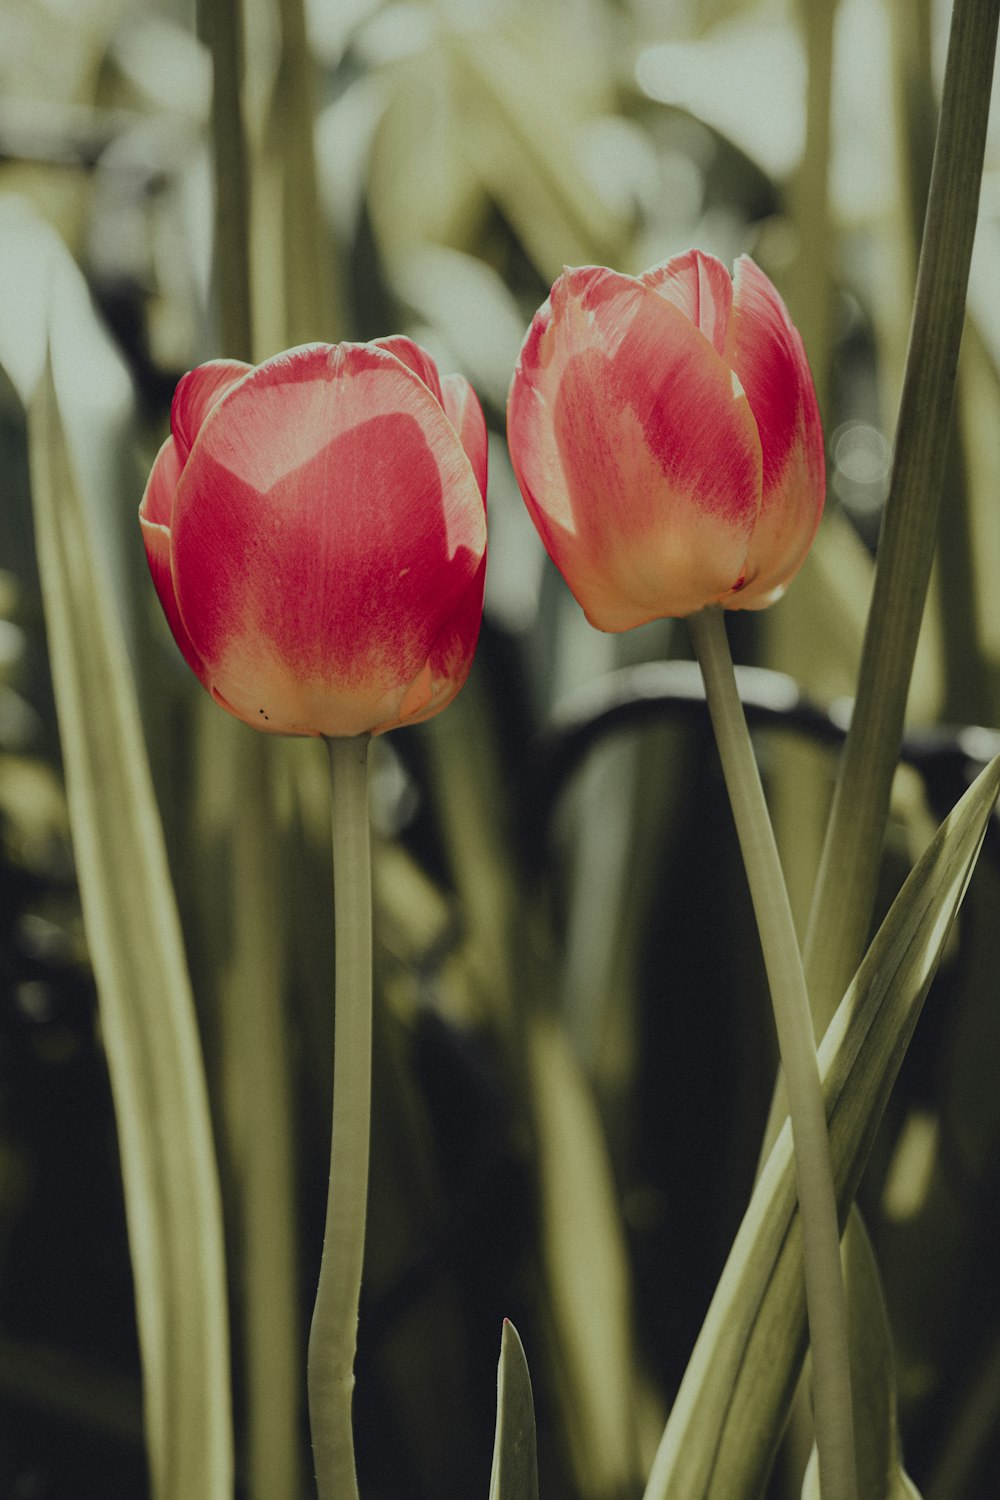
[
  {"x": 316, "y": 531},
  {"x": 665, "y": 435}
]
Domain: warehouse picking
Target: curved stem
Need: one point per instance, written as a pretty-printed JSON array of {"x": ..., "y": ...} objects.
[
  {"x": 333, "y": 1336},
  {"x": 833, "y": 1415}
]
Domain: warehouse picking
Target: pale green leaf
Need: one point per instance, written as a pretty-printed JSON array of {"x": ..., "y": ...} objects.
[
  {"x": 881, "y": 1475},
  {"x": 146, "y": 1007},
  {"x": 514, "y": 110},
  {"x": 515, "y": 1465},
  {"x": 720, "y": 1439},
  {"x": 588, "y": 1291}
]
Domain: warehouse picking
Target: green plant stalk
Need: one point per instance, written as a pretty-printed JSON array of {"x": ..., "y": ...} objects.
[
  {"x": 308, "y": 256},
  {"x": 825, "y": 1300},
  {"x": 845, "y": 889},
  {"x": 809, "y": 280},
  {"x": 257, "y": 1102},
  {"x": 333, "y": 1336},
  {"x": 222, "y": 29}
]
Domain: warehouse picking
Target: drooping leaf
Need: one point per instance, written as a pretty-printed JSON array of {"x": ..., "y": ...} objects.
[
  {"x": 720, "y": 1439},
  {"x": 146, "y": 1008},
  {"x": 515, "y": 1464}
]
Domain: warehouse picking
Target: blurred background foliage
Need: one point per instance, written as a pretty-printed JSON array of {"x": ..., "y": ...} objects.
[{"x": 573, "y": 1045}]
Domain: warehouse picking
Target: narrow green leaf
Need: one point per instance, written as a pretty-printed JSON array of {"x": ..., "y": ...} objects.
[
  {"x": 588, "y": 1290},
  {"x": 845, "y": 890},
  {"x": 515, "y": 1465},
  {"x": 239, "y": 927},
  {"x": 720, "y": 1439},
  {"x": 881, "y": 1475},
  {"x": 146, "y": 1007}
]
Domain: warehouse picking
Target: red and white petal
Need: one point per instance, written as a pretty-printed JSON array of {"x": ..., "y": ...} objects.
[
  {"x": 448, "y": 663},
  {"x": 157, "y": 504},
  {"x": 770, "y": 361},
  {"x": 701, "y": 287},
  {"x": 415, "y": 358},
  {"x": 197, "y": 393},
  {"x": 635, "y": 450},
  {"x": 465, "y": 414},
  {"x": 154, "y": 519},
  {"x": 327, "y": 526}
]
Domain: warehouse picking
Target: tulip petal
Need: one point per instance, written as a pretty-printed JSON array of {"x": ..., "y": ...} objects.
[
  {"x": 456, "y": 396},
  {"x": 465, "y": 414},
  {"x": 448, "y": 663},
  {"x": 701, "y": 287},
  {"x": 636, "y": 451},
  {"x": 197, "y": 393},
  {"x": 154, "y": 519},
  {"x": 770, "y": 361},
  {"x": 349, "y": 524},
  {"x": 415, "y": 359}
]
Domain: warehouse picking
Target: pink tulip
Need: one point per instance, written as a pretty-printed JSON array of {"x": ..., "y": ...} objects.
[
  {"x": 316, "y": 531},
  {"x": 665, "y": 435}
]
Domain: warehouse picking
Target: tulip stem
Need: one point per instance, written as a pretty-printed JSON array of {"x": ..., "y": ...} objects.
[
  {"x": 825, "y": 1301},
  {"x": 333, "y": 1336}
]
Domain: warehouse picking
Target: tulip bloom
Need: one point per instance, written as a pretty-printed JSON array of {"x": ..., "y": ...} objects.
[
  {"x": 665, "y": 435},
  {"x": 316, "y": 531}
]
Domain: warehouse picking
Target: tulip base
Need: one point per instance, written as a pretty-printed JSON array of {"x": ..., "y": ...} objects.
[
  {"x": 333, "y": 1335},
  {"x": 825, "y": 1300}
]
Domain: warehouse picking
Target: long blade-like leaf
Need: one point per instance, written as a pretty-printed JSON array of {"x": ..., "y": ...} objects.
[
  {"x": 147, "y": 1012},
  {"x": 881, "y": 1475},
  {"x": 720, "y": 1439},
  {"x": 515, "y": 1465}
]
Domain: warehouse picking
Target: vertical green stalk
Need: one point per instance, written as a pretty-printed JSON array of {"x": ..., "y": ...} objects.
[
  {"x": 333, "y": 1337},
  {"x": 222, "y": 29},
  {"x": 256, "y": 1091},
  {"x": 845, "y": 889},
  {"x": 825, "y": 1302},
  {"x": 307, "y": 244},
  {"x": 810, "y": 281}
]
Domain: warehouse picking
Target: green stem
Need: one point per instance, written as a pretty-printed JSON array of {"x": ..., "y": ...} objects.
[
  {"x": 833, "y": 1414},
  {"x": 810, "y": 279},
  {"x": 222, "y": 28},
  {"x": 333, "y": 1336}
]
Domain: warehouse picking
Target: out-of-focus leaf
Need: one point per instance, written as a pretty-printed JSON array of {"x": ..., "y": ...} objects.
[
  {"x": 745, "y": 78},
  {"x": 467, "y": 302},
  {"x": 587, "y": 1274},
  {"x": 295, "y": 299},
  {"x": 720, "y": 1439},
  {"x": 422, "y": 188},
  {"x": 881, "y": 1475},
  {"x": 514, "y": 117},
  {"x": 587, "y": 1292},
  {"x": 240, "y": 923},
  {"x": 42, "y": 288},
  {"x": 515, "y": 1465},
  {"x": 147, "y": 1012}
]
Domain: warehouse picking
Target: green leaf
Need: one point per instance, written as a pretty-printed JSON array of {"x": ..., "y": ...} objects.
[
  {"x": 881, "y": 1475},
  {"x": 515, "y": 1466},
  {"x": 720, "y": 1439},
  {"x": 517, "y": 119},
  {"x": 845, "y": 890},
  {"x": 585, "y": 1260},
  {"x": 146, "y": 1007}
]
